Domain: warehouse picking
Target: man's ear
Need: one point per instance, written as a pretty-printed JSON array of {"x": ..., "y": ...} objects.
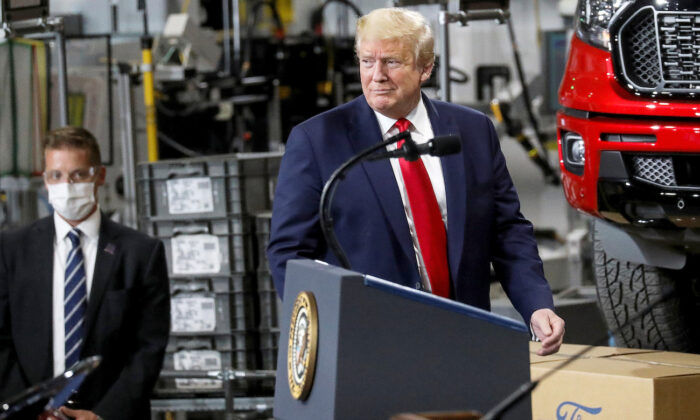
[
  {"x": 425, "y": 73},
  {"x": 101, "y": 174}
]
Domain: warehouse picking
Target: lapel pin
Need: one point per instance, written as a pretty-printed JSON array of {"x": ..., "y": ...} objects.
[{"x": 110, "y": 248}]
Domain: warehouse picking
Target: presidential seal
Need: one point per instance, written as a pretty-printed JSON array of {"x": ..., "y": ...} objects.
[{"x": 303, "y": 343}]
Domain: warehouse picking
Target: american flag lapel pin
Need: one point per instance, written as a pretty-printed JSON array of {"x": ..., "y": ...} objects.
[{"x": 110, "y": 248}]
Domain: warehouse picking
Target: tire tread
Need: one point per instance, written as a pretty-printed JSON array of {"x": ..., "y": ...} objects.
[{"x": 625, "y": 288}]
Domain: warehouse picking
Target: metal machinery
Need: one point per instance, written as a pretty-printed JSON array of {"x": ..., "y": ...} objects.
[
  {"x": 148, "y": 87},
  {"x": 498, "y": 11},
  {"x": 18, "y": 192},
  {"x": 629, "y": 147},
  {"x": 205, "y": 109},
  {"x": 18, "y": 19},
  {"x": 264, "y": 84}
]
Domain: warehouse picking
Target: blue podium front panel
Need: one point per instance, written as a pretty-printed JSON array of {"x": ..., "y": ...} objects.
[{"x": 385, "y": 349}]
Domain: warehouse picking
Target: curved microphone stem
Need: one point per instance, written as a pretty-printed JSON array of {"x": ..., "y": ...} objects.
[{"x": 330, "y": 188}]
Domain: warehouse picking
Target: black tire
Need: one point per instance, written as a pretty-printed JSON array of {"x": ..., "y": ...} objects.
[{"x": 625, "y": 288}]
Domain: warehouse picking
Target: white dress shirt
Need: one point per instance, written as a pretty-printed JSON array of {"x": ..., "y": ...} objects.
[
  {"x": 90, "y": 229},
  {"x": 421, "y": 131}
]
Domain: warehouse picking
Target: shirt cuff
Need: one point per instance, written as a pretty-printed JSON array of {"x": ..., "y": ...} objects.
[{"x": 533, "y": 336}]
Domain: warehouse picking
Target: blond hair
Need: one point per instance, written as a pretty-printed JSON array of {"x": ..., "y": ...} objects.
[{"x": 394, "y": 23}]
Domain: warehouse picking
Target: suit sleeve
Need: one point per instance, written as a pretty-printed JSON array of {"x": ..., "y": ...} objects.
[
  {"x": 295, "y": 231},
  {"x": 11, "y": 381},
  {"x": 514, "y": 251},
  {"x": 131, "y": 391}
]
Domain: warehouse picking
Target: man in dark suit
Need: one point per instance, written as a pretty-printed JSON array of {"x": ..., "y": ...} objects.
[
  {"x": 76, "y": 284},
  {"x": 391, "y": 216}
]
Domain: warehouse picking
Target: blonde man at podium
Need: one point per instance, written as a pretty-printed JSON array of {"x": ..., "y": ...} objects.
[{"x": 436, "y": 224}]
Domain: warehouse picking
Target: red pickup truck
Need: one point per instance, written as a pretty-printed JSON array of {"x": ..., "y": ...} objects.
[{"x": 629, "y": 149}]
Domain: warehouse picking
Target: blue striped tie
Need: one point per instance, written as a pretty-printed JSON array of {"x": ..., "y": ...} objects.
[{"x": 75, "y": 300}]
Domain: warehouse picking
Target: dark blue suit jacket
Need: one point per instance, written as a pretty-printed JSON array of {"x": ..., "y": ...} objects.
[{"x": 483, "y": 212}]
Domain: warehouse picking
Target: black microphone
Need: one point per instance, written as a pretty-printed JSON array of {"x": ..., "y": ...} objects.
[{"x": 439, "y": 146}]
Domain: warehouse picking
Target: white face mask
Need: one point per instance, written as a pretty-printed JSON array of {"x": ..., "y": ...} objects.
[{"x": 72, "y": 201}]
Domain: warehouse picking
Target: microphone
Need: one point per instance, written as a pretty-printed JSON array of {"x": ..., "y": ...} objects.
[{"x": 439, "y": 146}]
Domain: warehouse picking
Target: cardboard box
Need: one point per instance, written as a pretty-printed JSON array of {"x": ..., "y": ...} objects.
[{"x": 616, "y": 383}]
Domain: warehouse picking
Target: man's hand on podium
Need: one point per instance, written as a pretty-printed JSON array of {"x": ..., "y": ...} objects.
[
  {"x": 79, "y": 414},
  {"x": 549, "y": 329}
]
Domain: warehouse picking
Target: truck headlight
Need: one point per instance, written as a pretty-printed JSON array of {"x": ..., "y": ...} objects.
[
  {"x": 578, "y": 151},
  {"x": 593, "y": 18},
  {"x": 573, "y": 152}
]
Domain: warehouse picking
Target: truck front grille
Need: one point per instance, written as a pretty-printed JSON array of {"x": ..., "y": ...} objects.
[
  {"x": 659, "y": 52},
  {"x": 671, "y": 171},
  {"x": 641, "y": 50},
  {"x": 657, "y": 170}
]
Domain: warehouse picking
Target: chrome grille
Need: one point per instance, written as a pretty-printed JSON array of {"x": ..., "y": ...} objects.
[
  {"x": 680, "y": 47},
  {"x": 641, "y": 49},
  {"x": 658, "y": 170},
  {"x": 659, "y": 52}
]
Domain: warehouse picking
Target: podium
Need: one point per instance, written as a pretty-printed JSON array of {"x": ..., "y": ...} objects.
[{"x": 383, "y": 349}]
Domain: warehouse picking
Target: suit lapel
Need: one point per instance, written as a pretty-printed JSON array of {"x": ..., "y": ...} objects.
[
  {"x": 107, "y": 254},
  {"x": 453, "y": 172},
  {"x": 364, "y": 133}
]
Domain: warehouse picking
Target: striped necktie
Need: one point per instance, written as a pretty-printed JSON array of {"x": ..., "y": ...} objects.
[
  {"x": 427, "y": 220},
  {"x": 75, "y": 300}
]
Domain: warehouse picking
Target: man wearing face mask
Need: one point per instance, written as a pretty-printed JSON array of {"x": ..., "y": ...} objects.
[{"x": 76, "y": 284}]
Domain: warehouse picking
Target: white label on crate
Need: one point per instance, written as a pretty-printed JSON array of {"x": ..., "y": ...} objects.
[
  {"x": 197, "y": 360},
  {"x": 190, "y": 195},
  {"x": 195, "y": 254},
  {"x": 193, "y": 314}
]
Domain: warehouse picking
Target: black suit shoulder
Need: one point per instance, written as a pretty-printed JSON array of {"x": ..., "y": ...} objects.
[
  {"x": 23, "y": 239},
  {"x": 127, "y": 236},
  {"x": 137, "y": 251},
  {"x": 28, "y": 230}
]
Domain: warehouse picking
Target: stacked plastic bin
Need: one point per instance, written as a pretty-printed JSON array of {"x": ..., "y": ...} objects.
[
  {"x": 201, "y": 208},
  {"x": 269, "y": 302}
]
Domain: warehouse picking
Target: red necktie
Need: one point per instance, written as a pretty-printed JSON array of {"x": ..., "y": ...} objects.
[{"x": 427, "y": 220}]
